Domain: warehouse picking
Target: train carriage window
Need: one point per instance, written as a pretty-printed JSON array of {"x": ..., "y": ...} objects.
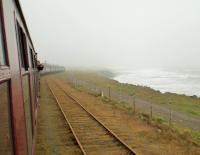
[
  {"x": 2, "y": 46},
  {"x": 32, "y": 58},
  {"x": 5, "y": 121},
  {"x": 34, "y": 61},
  {"x": 22, "y": 42},
  {"x": 28, "y": 111}
]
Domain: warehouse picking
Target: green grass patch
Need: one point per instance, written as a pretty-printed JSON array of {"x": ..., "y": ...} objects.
[{"x": 196, "y": 136}]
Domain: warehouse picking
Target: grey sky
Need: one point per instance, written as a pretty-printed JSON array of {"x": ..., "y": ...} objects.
[{"x": 116, "y": 33}]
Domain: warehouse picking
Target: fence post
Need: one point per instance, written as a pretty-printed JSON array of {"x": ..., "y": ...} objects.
[
  {"x": 120, "y": 94},
  {"x": 170, "y": 117},
  {"x": 109, "y": 93},
  {"x": 151, "y": 114},
  {"x": 74, "y": 83},
  {"x": 102, "y": 95},
  {"x": 134, "y": 104}
]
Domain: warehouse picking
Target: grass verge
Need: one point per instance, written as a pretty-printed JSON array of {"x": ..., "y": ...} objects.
[
  {"x": 163, "y": 126},
  {"x": 189, "y": 105}
]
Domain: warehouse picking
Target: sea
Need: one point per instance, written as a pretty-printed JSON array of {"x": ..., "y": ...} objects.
[{"x": 180, "y": 81}]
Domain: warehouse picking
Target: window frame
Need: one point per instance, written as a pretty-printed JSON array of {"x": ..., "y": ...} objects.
[
  {"x": 31, "y": 56},
  {"x": 22, "y": 48}
]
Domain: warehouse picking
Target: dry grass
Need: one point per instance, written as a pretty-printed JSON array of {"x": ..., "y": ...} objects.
[{"x": 184, "y": 105}]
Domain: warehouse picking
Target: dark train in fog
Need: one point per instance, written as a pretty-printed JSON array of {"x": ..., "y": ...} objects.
[{"x": 19, "y": 82}]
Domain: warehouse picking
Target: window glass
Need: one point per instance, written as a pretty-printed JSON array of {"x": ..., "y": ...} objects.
[
  {"x": 28, "y": 113},
  {"x": 32, "y": 58},
  {"x": 2, "y": 48},
  {"x": 22, "y": 42},
  {"x": 35, "y": 61},
  {"x": 5, "y": 122}
]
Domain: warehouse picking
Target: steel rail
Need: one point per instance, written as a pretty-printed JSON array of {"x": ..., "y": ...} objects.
[
  {"x": 68, "y": 123},
  {"x": 95, "y": 118}
]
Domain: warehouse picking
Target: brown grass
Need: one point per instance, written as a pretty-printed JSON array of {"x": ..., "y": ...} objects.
[{"x": 144, "y": 137}]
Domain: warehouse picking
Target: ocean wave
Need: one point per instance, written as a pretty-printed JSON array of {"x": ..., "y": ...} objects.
[{"x": 165, "y": 81}]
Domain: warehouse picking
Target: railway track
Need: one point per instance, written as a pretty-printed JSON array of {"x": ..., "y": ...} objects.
[
  {"x": 59, "y": 138},
  {"x": 92, "y": 136}
]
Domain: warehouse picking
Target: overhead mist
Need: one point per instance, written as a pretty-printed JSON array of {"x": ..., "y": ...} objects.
[{"x": 115, "y": 33}]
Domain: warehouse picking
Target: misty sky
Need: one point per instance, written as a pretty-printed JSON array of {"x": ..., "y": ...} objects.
[{"x": 115, "y": 33}]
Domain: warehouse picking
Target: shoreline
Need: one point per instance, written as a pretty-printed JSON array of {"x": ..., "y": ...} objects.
[
  {"x": 115, "y": 74},
  {"x": 162, "y": 92}
]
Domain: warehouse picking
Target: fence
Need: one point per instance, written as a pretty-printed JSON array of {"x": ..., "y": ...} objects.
[{"x": 139, "y": 105}]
